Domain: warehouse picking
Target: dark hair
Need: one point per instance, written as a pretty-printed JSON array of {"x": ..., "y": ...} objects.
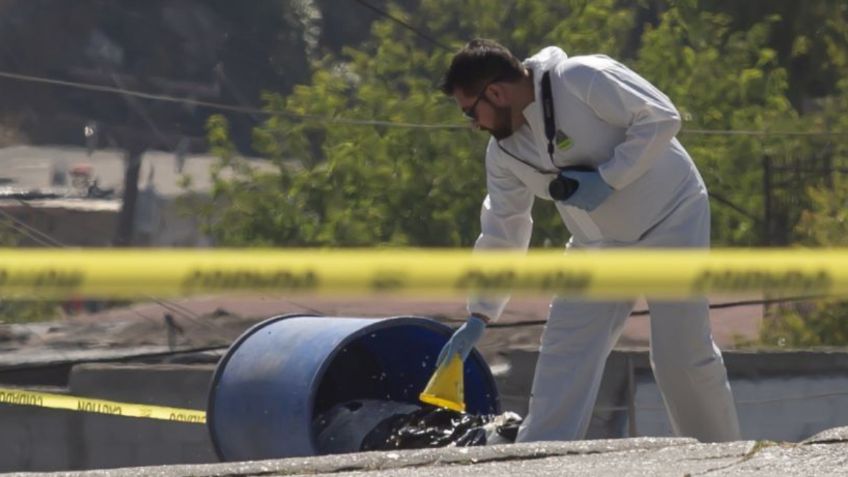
[{"x": 476, "y": 63}]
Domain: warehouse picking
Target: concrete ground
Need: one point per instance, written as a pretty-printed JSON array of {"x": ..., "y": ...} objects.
[{"x": 824, "y": 454}]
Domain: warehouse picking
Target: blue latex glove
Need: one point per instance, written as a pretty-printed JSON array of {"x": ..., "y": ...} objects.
[
  {"x": 462, "y": 341},
  {"x": 591, "y": 191}
]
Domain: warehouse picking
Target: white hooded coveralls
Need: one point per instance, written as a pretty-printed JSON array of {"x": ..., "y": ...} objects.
[{"x": 608, "y": 117}]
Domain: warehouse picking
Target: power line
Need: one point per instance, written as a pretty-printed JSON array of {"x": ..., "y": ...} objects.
[
  {"x": 48, "y": 238},
  {"x": 347, "y": 121},
  {"x": 45, "y": 240},
  {"x": 223, "y": 106},
  {"x": 686, "y": 131},
  {"x": 713, "y": 306},
  {"x": 726, "y": 202},
  {"x": 800, "y": 397},
  {"x": 25, "y": 230},
  {"x": 128, "y": 357},
  {"x": 49, "y": 242},
  {"x": 140, "y": 110},
  {"x": 402, "y": 23},
  {"x": 752, "y": 132},
  {"x": 22, "y": 229}
]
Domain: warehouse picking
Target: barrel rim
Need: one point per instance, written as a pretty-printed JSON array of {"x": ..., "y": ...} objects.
[{"x": 377, "y": 324}]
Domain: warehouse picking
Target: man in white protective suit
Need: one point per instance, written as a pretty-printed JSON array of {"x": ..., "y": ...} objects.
[{"x": 608, "y": 156}]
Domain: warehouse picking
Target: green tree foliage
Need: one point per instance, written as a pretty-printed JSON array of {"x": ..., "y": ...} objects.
[
  {"x": 339, "y": 184},
  {"x": 821, "y": 322},
  {"x": 811, "y": 47},
  {"x": 721, "y": 79},
  {"x": 350, "y": 185}
]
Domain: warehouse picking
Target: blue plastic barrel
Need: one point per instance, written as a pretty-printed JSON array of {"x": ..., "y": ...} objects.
[{"x": 286, "y": 370}]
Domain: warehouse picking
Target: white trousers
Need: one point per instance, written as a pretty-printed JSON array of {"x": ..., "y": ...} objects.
[{"x": 686, "y": 362}]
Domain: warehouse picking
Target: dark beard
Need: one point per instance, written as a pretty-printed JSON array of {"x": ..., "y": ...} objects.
[{"x": 503, "y": 123}]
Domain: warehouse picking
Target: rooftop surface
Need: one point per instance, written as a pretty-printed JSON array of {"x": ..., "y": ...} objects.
[{"x": 824, "y": 454}]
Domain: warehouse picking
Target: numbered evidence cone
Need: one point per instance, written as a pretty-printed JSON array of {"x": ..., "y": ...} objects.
[{"x": 445, "y": 388}]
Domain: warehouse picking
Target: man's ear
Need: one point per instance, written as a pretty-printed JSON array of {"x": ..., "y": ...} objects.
[{"x": 498, "y": 94}]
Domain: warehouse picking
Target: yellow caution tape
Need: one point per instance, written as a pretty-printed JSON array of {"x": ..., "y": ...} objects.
[
  {"x": 136, "y": 273},
  {"x": 73, "y": 403}
]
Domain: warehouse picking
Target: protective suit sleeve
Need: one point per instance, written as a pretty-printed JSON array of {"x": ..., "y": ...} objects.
[
  {"x": 505, "y": 223},
  {"x": 622, "y": 98}
]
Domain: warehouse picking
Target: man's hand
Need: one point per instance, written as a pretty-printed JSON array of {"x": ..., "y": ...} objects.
[
  {"x": 591, "y": 191},
  {"x": 462, "y": 341}
]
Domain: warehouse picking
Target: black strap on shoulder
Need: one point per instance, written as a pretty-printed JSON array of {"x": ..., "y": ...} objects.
[{"x": 548, "y": 112}]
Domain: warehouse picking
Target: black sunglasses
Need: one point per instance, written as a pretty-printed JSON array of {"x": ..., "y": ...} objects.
[{"x": 471, "y": 111}]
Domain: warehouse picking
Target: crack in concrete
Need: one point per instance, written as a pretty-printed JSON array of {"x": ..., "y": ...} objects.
[
  {"x": 825, "y": 441},
  {"x": 474, "y": 460},
  {"x": 756, "y": 448}
]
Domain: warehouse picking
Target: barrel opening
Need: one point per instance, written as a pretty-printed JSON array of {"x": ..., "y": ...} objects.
[{"x": 391, "y": 364}]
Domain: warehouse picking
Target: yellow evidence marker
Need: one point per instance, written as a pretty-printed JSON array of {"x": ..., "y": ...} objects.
[{"x": 445, "y": 388}]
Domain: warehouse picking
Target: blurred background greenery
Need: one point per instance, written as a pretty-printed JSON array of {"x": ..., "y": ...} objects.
[{"x": 368, "y": 152}]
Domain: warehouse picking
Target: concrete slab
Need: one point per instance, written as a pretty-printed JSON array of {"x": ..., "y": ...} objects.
[
  {"x": 625, "y": 457},
  {"x": 620, "y": 457},
  {"x": 837, "y": 434},
  {"x": 395, "y": 460},
  {"x": 672, "y": 461}
]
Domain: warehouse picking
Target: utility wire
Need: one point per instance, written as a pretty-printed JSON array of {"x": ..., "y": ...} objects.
[
  {"x": 10, "y": 223},
  {"x": 48, "y": 241},
  {"x": 25, "y": 230},
  {"x": 21, "y": 228},
  {"x": 352, "y": 122},
  {"x": 226, "y": 107},
  {"x": 16, "y": 227},
  {"x": 52, "y": 242},
  {"x": 33, "y": 234},
  {"x": 738, "y": 209},
  {"x": 140, "y": 110},
  {"x": 686, "y": 131},
  {"x": 738, "y": 401},
  {"x": 128, "y": 357},
  {"x": 764, "y": 133},
  {"x": 713, "y": 306},
  {"x": 402, "y": 23}
]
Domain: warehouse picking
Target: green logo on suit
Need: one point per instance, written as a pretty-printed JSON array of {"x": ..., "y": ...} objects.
[{"x": 563, "y": 142}]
